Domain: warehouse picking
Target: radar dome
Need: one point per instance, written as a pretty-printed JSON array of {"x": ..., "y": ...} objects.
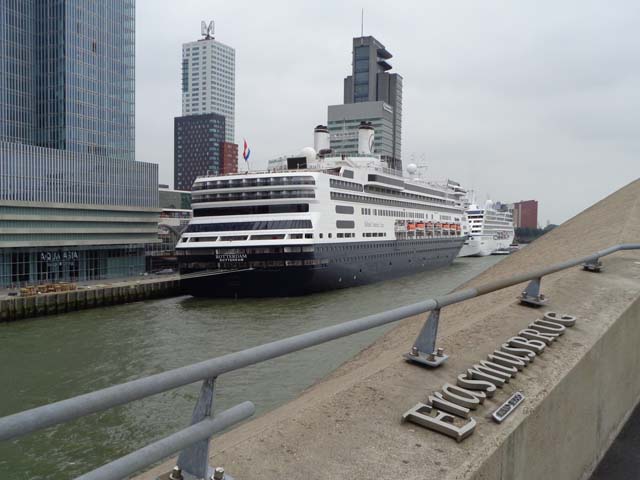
[
  {"x": 412, "y": 168},
  {"x": 309, "y": 153}
]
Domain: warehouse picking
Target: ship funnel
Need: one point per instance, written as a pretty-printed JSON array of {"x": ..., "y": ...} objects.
[
  {"x": 321, "y": 140},
  {"x": 365, "y": 138}
]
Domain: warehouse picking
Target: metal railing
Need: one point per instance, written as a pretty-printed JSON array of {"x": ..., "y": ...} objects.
[{"x": 193, "y": 442}]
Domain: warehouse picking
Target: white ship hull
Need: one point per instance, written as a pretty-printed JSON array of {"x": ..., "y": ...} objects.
[{"x": 484, "y": 246}]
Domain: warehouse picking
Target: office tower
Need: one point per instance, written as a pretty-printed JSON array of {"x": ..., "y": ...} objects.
[
  {"x": 198, "y": 142},
  {"x": 371, "y": 94},
  {"x": 77, "y": 205}
]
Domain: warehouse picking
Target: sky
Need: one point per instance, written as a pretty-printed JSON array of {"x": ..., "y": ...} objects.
[{"x": 515, "y": 100}]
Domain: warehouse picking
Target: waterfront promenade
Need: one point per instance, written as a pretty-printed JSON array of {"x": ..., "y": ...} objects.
[{"x": 576, "y": 398}]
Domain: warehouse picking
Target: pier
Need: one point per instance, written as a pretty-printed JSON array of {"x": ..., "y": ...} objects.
[{"x": 87, "y": 296}]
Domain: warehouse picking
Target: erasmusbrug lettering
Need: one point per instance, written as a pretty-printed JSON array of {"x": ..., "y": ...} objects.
[{"x": 448, "y": 411}]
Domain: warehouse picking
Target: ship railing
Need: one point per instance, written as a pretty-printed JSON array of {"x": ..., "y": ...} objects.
[{"x": 193, "y": 442}]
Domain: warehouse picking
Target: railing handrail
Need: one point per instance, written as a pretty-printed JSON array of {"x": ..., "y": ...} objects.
[{"x": 28, "y": 421}]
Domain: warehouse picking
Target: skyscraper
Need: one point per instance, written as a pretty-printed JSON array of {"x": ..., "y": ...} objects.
[
  {"x": 208, "y": 98},
  {"x": 74, "y": 203},
  {"x": 209, "y": 79},
  {"x": 68, "y": 75},
  {"x": 198, "y": 144},
  {"x": 371, "y": 94}
]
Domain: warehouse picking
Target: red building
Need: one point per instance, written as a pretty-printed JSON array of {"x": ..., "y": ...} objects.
[
  {"x": 525, "y": 214},
  {"x": 229, "y": 154}
]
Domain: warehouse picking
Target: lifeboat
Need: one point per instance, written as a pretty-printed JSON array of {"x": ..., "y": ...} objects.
[
  {"x": 420, "y": 225},
  {"x": 411, "y": 227},
  {"x": 438, "y": 226},
  {"x": 445, "y": 226}
]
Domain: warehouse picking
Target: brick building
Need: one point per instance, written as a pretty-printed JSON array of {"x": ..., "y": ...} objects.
[
  {"x": 525, "y": 214},
  {"x": 229, "y": 155}
]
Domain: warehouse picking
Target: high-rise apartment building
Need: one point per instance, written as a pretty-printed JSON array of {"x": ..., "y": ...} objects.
[
  {"x": 208, "y": 98},
  {"x": 209, "y": 79},
  {"x": 371, "y": 94},
  {"x": 197, "y": 147},
  {"x": 74, "y": 205}
]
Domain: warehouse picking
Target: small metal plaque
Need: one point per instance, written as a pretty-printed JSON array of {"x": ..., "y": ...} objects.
[{"x": 507, "y": 407}]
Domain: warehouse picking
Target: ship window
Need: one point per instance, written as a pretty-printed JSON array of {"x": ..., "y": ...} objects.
[
  {"x": 261, "y": 195},
  {"x": 342, "y": 184},
  {"x": 238, "y": 226},
  {"x": 321, "y": 235},
  {"x": 251, "y": 210},
  {"x": 346, "y": 209},
  {"x": 273, "y": 236},
  {"x": 329, "y": 235},
  {"x": 308, "y": 235},
  {"x": 345, "y": 224}
]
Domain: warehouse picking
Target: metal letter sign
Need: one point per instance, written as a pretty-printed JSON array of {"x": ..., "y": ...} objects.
[
  {"x": 481, "y": 380},
  {"x": 207, "y": 30}
]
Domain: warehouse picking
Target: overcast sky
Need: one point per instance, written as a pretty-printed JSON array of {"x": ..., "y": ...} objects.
[{"x": 516, "y": 100}]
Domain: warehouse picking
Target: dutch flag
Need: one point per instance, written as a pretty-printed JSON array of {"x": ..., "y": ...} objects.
[{"x": 246, "y": 152}]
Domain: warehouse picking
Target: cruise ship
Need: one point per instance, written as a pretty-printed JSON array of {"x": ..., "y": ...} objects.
[
  {"x": 489, "y": 230},
  {"x": 316, "y": 222}
]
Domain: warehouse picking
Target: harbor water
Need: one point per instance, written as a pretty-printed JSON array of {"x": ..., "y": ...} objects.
[{"x": 52, "y": 358}]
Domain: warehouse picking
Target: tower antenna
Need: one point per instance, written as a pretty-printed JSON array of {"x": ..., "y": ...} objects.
[{"x": 362, "y": 23}]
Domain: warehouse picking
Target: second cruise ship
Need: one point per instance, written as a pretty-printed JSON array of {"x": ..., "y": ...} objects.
[
  {"x": 489, "y": 230},
  {"x": 316, "y": 222}
]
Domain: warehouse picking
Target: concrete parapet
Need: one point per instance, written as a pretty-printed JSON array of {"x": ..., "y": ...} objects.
[{"x": 15, "y": 308}]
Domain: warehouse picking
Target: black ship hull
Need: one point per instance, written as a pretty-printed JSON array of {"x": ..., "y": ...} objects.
[{"x": 293, "y": 271}]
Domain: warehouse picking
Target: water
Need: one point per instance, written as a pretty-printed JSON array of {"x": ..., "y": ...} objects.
[{"x": 56, "y": 357}]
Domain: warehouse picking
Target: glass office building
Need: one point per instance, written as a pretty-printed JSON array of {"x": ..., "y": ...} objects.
[
  {"x": 74, "y": 203},
  {"x": 372, "y": 94},
  {"x": 67, "y": 75}
]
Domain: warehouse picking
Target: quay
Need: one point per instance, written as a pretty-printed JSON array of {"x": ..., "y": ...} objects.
[
  {"x": 88, "y": 296},
  {"x": 577, "y": 397}
]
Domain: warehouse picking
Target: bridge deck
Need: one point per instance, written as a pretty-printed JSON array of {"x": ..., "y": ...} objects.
[{"x": 577, "y": 393}]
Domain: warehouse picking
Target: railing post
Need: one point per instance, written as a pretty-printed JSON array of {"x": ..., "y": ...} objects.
[
  {"x": 531, "y": 295},
  {"x": 594, "y": 265},
  {"x": 193, "y": 461},
  {"x": 424, "y": 349}
]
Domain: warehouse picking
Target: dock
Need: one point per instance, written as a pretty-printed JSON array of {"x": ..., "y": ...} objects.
[{"x": 87, "y": 296}]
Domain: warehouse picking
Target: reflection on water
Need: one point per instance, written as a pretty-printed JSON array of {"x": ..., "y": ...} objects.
[{"x": 53, "y": 358}]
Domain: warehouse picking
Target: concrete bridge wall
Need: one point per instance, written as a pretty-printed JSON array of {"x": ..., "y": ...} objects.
[{"x": 570, "y": 430}]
